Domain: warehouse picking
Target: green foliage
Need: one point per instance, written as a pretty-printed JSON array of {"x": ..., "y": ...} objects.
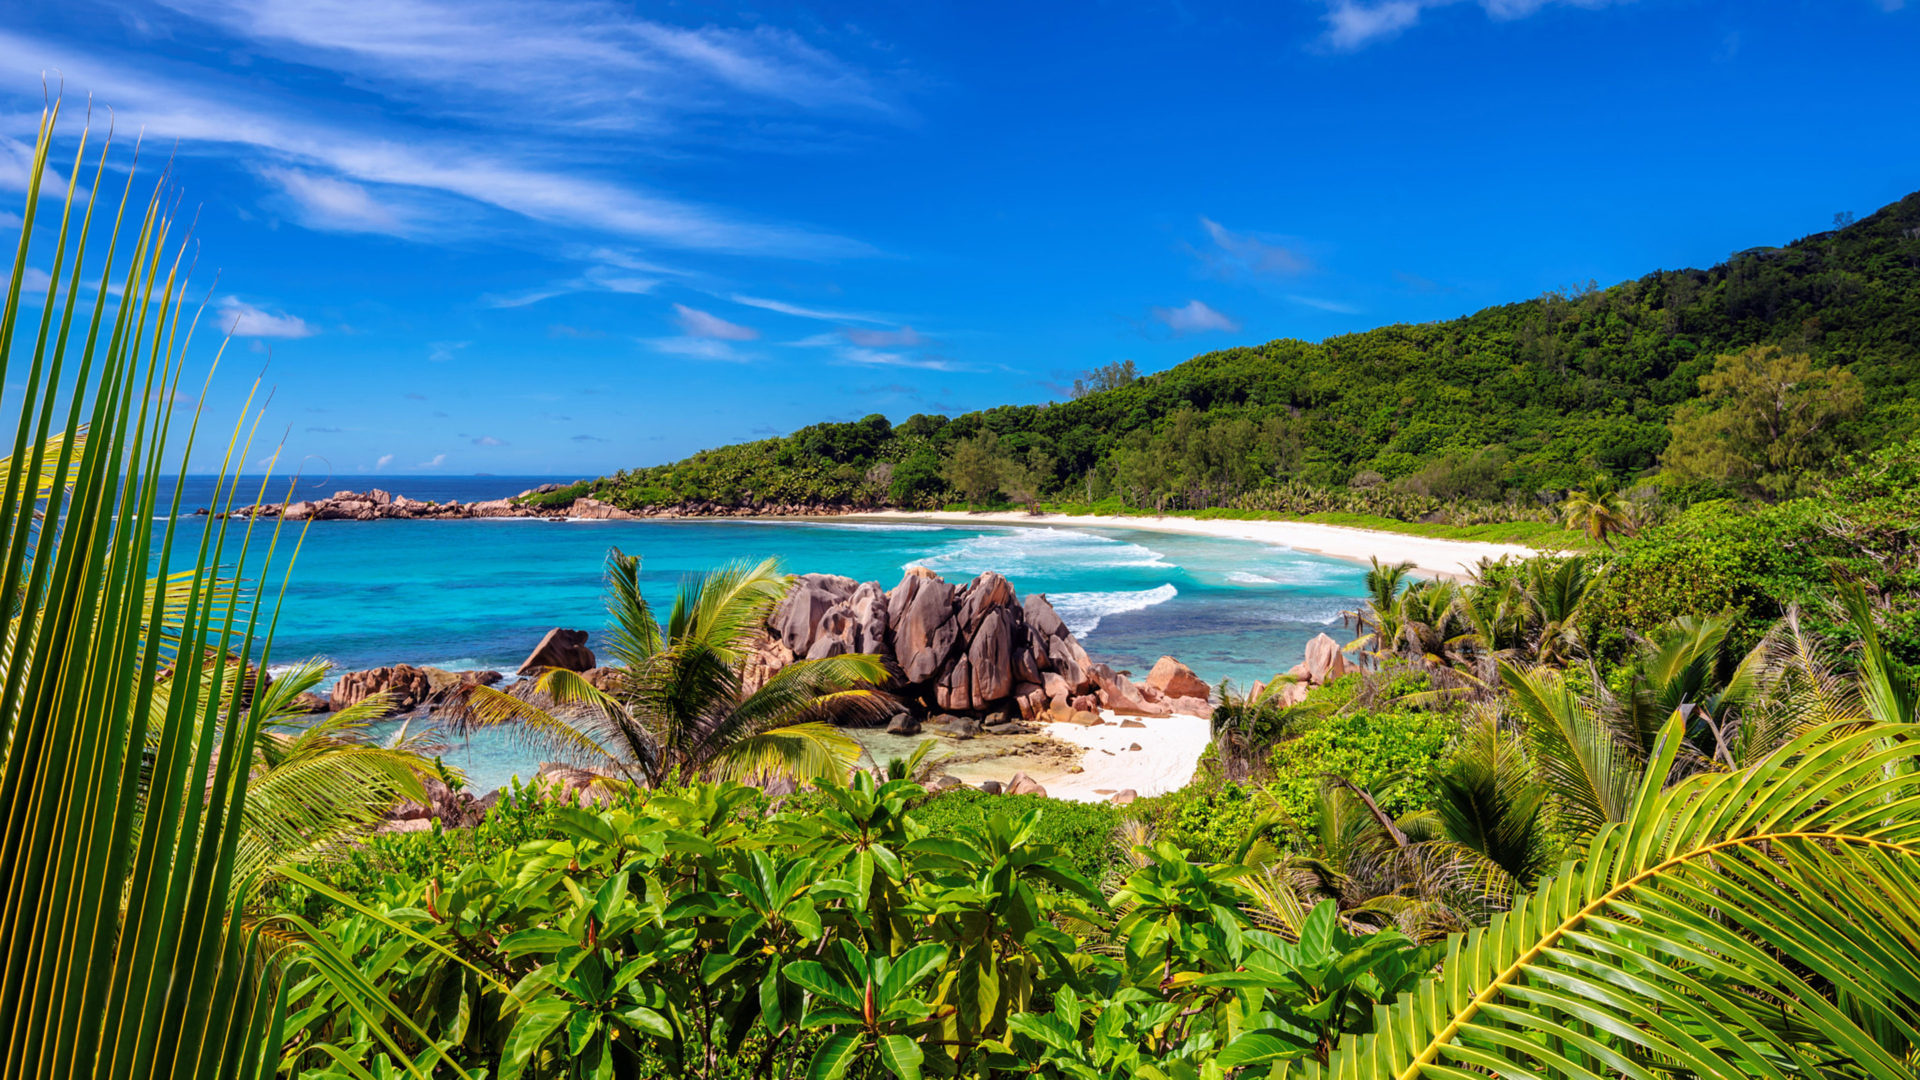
[
  {"x": 692, "y": 934},
  {"x": 1393, "y": 751},
  {"x": 1083, "y": 833},
  {"x": 1765, "y": 422},
  {"x": 1756, "y": 561},
  {"x": 1459, "y": 422},
  {"x": 1208, "y": 817}
]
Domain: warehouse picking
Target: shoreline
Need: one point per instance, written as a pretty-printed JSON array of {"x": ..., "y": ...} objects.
[{"x": 1432, "y": 556}]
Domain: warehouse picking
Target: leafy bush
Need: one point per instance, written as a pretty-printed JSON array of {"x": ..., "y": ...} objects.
[
  {"x": 1209, "y": 817},
  {"x": 1083, "y": 832},
  {"x": 1368, "y": 747}
]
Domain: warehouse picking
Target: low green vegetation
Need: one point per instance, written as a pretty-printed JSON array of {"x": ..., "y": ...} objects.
[{"x": 1754, "y": 379}]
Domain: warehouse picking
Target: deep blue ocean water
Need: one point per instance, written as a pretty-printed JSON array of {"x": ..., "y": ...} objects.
[{"x": 479, "y": 594}]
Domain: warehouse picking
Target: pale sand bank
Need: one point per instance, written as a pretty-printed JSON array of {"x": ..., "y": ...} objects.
[
  {"x": 1439, "y": 558},
  {"x": 1170, "y": 749}
]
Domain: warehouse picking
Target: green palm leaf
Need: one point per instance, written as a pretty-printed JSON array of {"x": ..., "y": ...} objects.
[
  {"x": 1754, "y": 923},
  {"x": 122, "y": 809}
]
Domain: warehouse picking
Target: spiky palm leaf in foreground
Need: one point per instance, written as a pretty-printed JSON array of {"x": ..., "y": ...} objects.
[
  {"x": 121, "y": 953},
  {"x": 679, "y": 699},
  {"x": 1762, "y": 922}
]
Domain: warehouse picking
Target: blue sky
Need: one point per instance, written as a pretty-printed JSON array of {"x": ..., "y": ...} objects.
[{"x": 569, "y": 237}]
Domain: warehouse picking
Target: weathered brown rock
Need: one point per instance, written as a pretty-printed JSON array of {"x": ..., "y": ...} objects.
[
  {"x": 1132, "y": 723},
  {"x": 561, "y": 648},
  {"x": 903, "y": 724},
  {"x": 1177, "y": 680},
  {"x": 310, "y": 703},
  {"x": 920, "y": 610},
  {"x": 596, "y": 510},
  {"x": 1125, "y": 797},
  {"x": 406, "y": 686},
  {"x": 1325, "y": 662},
  {"x": 991, "y": 787},
  {"x": 568, "y": 784},
  {"x": 1022, "y": 784},
  {"x": 989, "y": 657},
  {"x": 955, "y": 689},
  {"x": 944, "y": 782},
  {"x": 441, "y": 681},
  {"x": 798, "y": 617},
  {"x": 1122, "y": 696}
]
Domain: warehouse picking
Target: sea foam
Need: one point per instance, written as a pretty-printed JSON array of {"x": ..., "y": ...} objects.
[
  {"x": 1030, "y": 551},
  {"x": 1082, "y": 611}
]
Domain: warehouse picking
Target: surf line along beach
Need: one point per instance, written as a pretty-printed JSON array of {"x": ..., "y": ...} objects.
[{"x": 1430, "y": 556}]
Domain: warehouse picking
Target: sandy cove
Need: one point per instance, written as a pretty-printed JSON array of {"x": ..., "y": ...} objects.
[{"x": 1429, "y": 555}]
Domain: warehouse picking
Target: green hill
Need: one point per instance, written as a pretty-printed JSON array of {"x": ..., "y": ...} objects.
[{"x": 1496, "y": 407}]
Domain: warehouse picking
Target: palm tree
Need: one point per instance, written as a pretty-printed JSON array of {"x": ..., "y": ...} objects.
[
  {"x": 1374, "y": 622},
  {"x": 1556, "y": 594},
  {"x": 680, "y": 702},
  {"x": 1600, "y": 511}
]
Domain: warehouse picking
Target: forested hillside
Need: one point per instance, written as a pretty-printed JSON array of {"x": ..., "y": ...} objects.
[{"x": 1510, "y": 404}]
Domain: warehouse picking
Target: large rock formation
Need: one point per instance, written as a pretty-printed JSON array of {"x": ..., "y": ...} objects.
[
  {"x": 406, "y": 686},
  {"x": 1175, "y": 679},
  {"x": 1324, "y": 663},
  {"x": 562, "y": 649},
  {"x": 973, "y": 650}
]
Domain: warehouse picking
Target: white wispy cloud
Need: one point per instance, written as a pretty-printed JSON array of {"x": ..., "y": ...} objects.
[
  {"x": 884, "y": 339},
  {"x": 1194, "y": 317},
  {"x": 1234, "y": 254},
  {"x": 474, "y": 168},
  {"x": 882, "y": 358},
  {"x": 583, "y": 62},
  {"x": 440, "y": 352},
  {"x": 382, "y": 462},
  {"x": 785, "y": 308},
  {"x": 1323, "y": 304},
  {"x": 10, "y": 220},
  {"x": 245, "y": 320},
  {"x": 609, "y": 271},
  {"x": 324, "y": 202},
  {"x": 488, "y": 440},
  {"x": 698, "y": 349},
  {"x": 1355, "y": 24},
  {"x": 433, "y": 462},
  {"x": 700, "y": 324}
]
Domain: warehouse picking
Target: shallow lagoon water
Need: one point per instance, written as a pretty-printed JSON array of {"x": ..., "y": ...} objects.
[{"x": 479, "y": 594}]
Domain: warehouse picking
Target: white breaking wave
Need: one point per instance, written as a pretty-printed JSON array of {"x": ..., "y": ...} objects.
[
  {"x": 1082, "y": 611},
  {"x": 861, "y": 526},
  {"x": 1304, "y": 574},
  {"x": 1026, "y": 551}
]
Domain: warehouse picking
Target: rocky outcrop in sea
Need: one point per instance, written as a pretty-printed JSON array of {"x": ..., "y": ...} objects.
[
  {"x": 964, "y": 652},
  {"x": 381, "y": 505}
]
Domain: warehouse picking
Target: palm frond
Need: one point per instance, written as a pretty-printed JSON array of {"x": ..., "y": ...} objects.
[
  {"x": 809, "y": 751},
  {"x": 725, "y": 609},
  {"x": 1755, "y": 923},
  {"x": 1583, "y": 765}
]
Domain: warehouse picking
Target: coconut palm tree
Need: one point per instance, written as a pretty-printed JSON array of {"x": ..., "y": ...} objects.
[
  {"x": 680, "y": 702},
  {"x": 1374, "y": 620},
  {"x": 1600, "y": 511}
]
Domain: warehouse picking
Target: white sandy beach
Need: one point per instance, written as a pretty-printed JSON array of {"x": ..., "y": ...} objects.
[
  {"x": 1435, "y": 557},
  {"x": 1170, "y": 749}
]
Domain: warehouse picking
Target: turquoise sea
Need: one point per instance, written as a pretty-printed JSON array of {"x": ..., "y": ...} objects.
[{"x": 479, "y": 594}]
